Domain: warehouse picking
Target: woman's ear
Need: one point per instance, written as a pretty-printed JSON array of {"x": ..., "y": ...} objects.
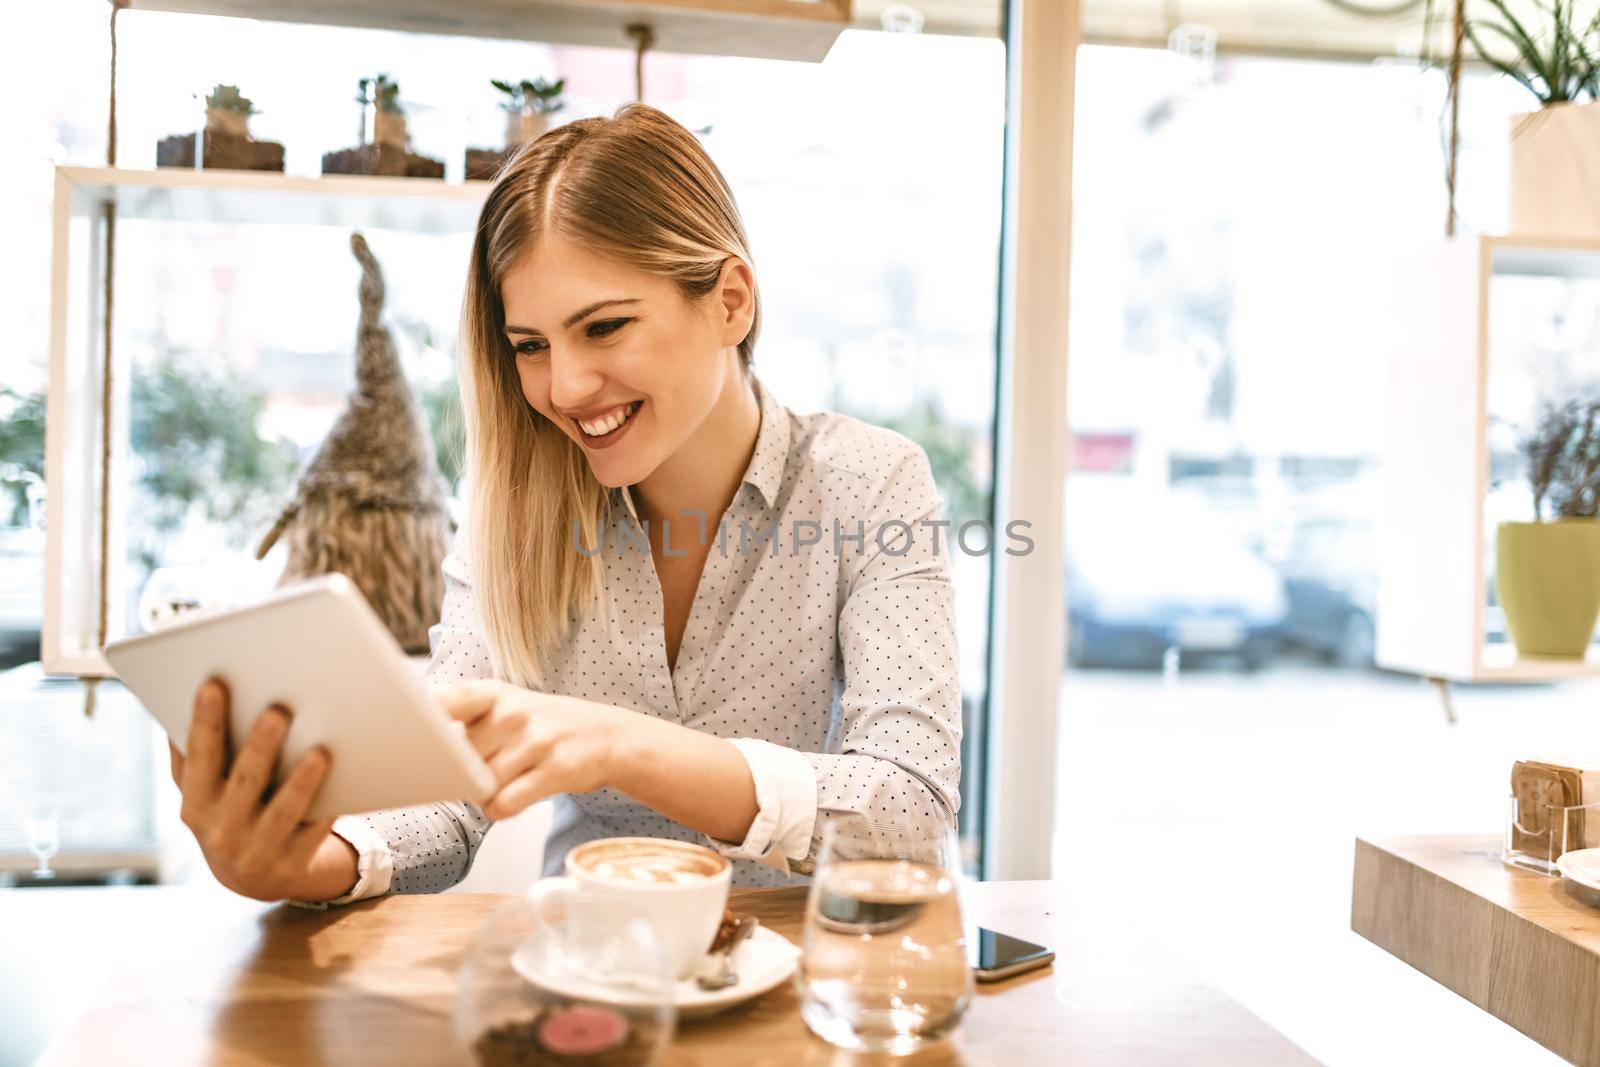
[{"x": 736, "y": 300}]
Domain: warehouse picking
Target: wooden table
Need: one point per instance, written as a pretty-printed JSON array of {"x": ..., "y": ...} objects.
[
  {"x": 1522, "y": 946},
  {"x": 238, "y": 983}
]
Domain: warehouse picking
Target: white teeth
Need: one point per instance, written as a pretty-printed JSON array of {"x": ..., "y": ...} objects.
[{"x": 605, "y": 424}]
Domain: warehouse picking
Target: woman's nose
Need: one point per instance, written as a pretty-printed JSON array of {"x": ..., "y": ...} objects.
[{"x": 572, "y": 381}]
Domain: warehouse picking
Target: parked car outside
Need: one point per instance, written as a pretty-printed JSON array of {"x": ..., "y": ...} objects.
[
  {"x": 1165, "y": 574},
  {"x": 1331, "y": 575}
]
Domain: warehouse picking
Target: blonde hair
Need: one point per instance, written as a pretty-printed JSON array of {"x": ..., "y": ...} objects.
[{"x": 640, "y": 188}]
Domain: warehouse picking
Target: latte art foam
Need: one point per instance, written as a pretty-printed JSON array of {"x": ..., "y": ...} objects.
[{"x": 650, "y": 864}]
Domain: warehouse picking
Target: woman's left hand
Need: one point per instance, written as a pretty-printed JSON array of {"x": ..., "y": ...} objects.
[{"x": 537, "y": 744}]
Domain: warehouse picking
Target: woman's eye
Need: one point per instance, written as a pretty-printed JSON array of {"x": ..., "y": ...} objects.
[
  {"x": 606, "y": 327},
  {"x": 535, "y": 347}
]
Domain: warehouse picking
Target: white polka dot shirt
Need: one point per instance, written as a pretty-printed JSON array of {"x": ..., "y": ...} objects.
[{"x": 821, "y": 641}]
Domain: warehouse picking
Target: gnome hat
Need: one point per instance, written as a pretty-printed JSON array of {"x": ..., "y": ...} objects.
[
  {"x": 379, "y": 453},
  {"x": 371, "y": 503}
]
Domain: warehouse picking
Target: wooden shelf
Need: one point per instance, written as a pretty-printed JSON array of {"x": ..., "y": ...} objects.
[
  {"x": 1543, "y": 256},
  {"x": 1433, "y": 536},
  {"x": 425, "y": 205},
  {"x": 1500, "y": 663},
  {"x": 760, "y": 29},
  {"x": 415, "y": 205}
]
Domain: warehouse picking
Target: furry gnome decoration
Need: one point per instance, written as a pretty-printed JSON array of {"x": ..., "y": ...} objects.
[{"x": 371, "y": 503}]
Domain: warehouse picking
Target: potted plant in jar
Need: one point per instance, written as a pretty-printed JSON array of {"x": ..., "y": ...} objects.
[
  {"x": 227, "y": 142},
  {"x": 229, "y": 112},
  {"x": 1547, "y": 573},
  {"x": 1555, "y": 151},
  {"x": 528, "y": 105},
  {"x": 389, "y": 149},
  {"x": 382, "y": 96}
]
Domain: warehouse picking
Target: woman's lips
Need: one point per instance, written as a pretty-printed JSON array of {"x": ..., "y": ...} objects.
[{"x": 608, "y": 439}]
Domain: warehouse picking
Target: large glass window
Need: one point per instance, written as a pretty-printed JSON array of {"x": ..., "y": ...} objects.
[
  {"x": 235, "y": 340},
  {"x": 1234, "y": 221}
]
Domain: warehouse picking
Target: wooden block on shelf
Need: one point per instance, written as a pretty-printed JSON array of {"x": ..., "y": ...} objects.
[
  {"x": 380, "y": 159},
  {"x": 222, "y": 151},
  {"x": 484, "y": 163}
]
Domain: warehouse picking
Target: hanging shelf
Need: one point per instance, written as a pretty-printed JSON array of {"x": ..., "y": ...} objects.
[
  {"x": 758, "y": 29},
  {"x": 1435, "y": 540},
  {"x": 418, "y": 205},
  {"x": 415, "y": 205}
]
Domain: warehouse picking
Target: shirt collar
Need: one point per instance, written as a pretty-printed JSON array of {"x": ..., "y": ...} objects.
[
  {"x": 772, "y": 447},
  {"x": 768, "y": 461}
]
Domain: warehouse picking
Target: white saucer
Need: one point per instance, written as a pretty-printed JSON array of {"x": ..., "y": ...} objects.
[
  {"x": 1581, "y": 865},
  {"x": 764, "y": 961}
]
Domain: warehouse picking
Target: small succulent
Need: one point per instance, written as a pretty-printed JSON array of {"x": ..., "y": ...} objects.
[
  {"x": 383, "y": 92},
  {"x": 227, "y": 98},
  {"x": 1563, "y": 454},
  {"x": 539, "y": 96}
]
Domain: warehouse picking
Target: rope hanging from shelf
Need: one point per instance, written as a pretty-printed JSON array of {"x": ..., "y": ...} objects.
[
  {"x": 643, "y": 37},
  {"x": 1453, "y": 153},
  {"x": 109, "y": 220}
]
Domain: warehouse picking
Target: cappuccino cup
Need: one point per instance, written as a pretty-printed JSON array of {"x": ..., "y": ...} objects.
[{"x": 680, "y": 889}]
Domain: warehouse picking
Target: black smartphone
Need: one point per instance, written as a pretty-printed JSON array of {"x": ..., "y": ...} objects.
[{"x": 995, "y": 955}]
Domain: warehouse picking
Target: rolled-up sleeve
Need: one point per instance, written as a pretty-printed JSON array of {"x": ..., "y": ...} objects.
[
  {"x": 786, "y": 806},
  {"x": 899, "y": 712}
]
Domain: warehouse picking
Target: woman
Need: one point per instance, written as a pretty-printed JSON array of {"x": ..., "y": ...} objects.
[{"x": 679, "y": 609}]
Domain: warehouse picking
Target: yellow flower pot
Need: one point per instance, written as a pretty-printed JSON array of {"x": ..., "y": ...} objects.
[{"x": 1547, "y": 577}]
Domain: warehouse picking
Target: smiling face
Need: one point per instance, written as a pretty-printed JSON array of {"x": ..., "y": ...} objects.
[{"x": 617, "y": 357}]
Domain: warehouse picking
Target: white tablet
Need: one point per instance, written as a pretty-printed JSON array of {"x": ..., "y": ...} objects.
[{"x": 319, "y": 650}]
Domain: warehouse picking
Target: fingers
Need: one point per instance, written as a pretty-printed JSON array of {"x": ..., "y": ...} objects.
[
  {"x": 177, "y": 764},
  {"x": 469, "y": 701},
  {"x": 493, "y": 733},
  {"x": 208, "y": 743},
  {"x": 513, "y": 760},
  {"x": 522, "y": 793},
  {"x": 287, "y": 808},
  {"x": 252, "y": 771}
]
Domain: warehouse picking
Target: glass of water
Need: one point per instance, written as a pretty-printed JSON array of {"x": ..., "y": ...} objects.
[{"x": 884, "y": 961}]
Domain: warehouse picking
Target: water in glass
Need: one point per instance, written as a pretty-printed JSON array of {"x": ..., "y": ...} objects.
[{"x": 885, "y": 960}]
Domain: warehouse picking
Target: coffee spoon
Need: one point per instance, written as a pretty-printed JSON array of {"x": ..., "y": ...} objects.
[{"x": 724, "y": 975}]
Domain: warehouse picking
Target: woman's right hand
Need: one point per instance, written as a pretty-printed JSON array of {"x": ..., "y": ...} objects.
[{"x": 258, "y": 847}]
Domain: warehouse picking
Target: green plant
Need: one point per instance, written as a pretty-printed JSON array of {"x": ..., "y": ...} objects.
[
  {"x": 379, "y": 90},
  {"x": 227, "y": 98},
  {"x": 1563, "y": 454},
  {"x": 1557, "y": 59},
  {"x": 197, "y": 454},
  {"x": 539, "y": 96},
  {"x": 441, "y": 403},
  {"x": 22, "y": 448}
]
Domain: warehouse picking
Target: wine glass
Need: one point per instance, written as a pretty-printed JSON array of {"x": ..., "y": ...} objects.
[
  {"x": 884, "y": 959},
  {"x": 44, "y": 841}
]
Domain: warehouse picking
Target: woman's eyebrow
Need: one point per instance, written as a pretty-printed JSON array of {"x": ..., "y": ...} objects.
[{"x": 578, "y": 315}]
